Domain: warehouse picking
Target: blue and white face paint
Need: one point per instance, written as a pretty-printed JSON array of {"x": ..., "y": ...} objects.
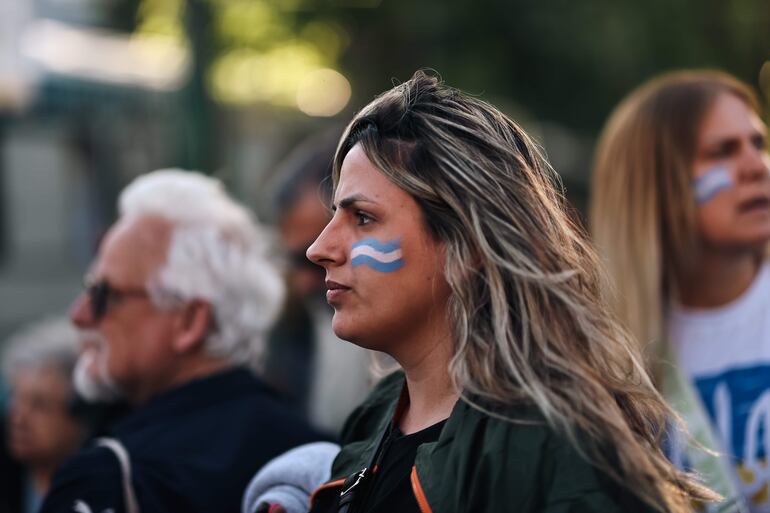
[
  {"x": 711, "y": 183},
  {"x": 385, "y": 257}
]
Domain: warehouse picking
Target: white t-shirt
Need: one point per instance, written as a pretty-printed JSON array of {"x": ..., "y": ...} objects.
[{"x": 726, "y": 352}]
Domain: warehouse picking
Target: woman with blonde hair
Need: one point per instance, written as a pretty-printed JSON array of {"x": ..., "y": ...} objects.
[
  {"x": 451, "y": 249},
  {"x": 681, "y": 214}
]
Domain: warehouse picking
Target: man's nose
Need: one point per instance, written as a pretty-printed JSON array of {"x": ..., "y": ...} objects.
[{"x": 80, "y": 312}]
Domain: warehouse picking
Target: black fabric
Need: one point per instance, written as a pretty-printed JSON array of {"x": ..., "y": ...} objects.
[
  {"x": 392, "y": 487},
  {"x": 192, "y": 449},
  {"x": 12, "y": 475}
]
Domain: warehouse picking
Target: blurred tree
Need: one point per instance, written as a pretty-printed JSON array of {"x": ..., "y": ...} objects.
[
  {"x": 198, "y": 147},
  {"x": 567, "y": 62}
]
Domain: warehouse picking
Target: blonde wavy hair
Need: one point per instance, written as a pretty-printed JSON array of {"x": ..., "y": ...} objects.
[
  {"x": 528, "y": 318},
  {"x": 642, "y": 211}
]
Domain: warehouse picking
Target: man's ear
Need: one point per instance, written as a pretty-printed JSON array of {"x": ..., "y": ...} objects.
[{"x": 195, "y": 321}]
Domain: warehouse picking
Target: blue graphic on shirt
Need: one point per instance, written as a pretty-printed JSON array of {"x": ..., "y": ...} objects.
[{"x": 738, "y": 402}]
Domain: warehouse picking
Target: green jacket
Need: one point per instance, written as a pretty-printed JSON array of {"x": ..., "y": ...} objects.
[{"x": 482, "y": 464}]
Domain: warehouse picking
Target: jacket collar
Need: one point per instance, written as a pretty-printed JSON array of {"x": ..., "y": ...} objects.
[{"x": 195, "y": 394}]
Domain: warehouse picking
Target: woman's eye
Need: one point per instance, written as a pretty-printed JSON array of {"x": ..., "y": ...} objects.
[
  {"x": 724, "y": 150},
  {"x": 759, "y": 142},
  {"x": 362, "y": 219}
]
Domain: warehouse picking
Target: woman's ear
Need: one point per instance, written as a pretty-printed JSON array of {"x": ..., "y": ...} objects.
[{"x": 195, "y": 321}]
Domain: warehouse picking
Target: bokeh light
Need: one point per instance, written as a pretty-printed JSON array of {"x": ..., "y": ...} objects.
[
  {"x": 153, "y": 61},
  {"x": 245, "y": 76},
  {"x": 323, "y": 92}
]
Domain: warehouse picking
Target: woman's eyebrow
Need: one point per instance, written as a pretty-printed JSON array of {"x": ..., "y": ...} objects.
[
  {"x": 722, "y": 138},
  {"x": 350, "y": 200}
]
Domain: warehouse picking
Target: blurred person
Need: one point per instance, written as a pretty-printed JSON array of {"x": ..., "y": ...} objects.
[
  {"x": 176, "y": 303},
  {"x": 42, "y": 430},
  {"x": 301, "y": 207},
  {"x": 336, "y": 375},
  {"x": 681, "y": 213},
  {"x": 450, "y": 248}
]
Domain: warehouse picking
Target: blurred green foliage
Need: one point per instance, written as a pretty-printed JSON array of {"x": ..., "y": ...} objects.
[
  {"x": 565, "y": 60},
  {"x": 562, "y": 63}
]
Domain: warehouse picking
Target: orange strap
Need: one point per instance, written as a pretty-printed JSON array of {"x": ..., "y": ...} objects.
[
  {"x": 419, "y": 493},
  {"x": 326, "y": 486}
]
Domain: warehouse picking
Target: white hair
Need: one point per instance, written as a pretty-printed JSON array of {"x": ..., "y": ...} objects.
[
  {"x": 51, "y": 342},
  {"x": 217, "y": 253}
]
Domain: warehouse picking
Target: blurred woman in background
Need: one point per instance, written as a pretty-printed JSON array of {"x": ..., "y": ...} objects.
[
  {"x": 450, "y": 249},
  {"x": 42, "y": 430},
  {"x": 681, "y": 214}
]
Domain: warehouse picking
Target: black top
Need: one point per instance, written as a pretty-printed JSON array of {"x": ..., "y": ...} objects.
[
  {"x": 389, "y": 489},
  {"x": 192, "y": 449},
  {"x": 392, "y": 486}
]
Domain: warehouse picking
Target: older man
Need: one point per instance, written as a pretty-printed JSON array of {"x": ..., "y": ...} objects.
[{"x": 178, "y": 299}]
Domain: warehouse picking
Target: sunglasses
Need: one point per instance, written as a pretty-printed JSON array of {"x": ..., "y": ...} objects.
[{"x": 100, "y": 294}]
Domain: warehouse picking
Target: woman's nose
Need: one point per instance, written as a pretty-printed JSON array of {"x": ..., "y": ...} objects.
[
  {"x": 326, "y": 249},
  {"x": 755, "y": 164}
]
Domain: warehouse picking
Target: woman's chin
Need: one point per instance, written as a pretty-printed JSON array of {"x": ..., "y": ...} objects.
[
  {"x": 353, "y": 334},
  {"x": 341, "y": 328}
]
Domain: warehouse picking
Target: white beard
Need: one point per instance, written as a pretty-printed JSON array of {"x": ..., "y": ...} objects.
[{"x": 91, "y": 377}]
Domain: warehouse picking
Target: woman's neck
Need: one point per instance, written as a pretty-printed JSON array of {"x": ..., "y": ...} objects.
[
  {"x": 41, "y": 477},
  {"x": 431, "y": 392},
  {"x": 718, "y": 279}
]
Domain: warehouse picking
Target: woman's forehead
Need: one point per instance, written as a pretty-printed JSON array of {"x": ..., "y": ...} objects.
[
  {"x": 359, "y": 176},
  {"x": 727, "y": 114}
]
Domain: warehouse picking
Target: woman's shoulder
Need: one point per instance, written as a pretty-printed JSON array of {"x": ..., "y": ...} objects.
[
  {"x": 515, "y": 436},
  {"x": 501, "y": 423},
  {"x": 515, "y": 443},
  {"x": 518, "y": 432}
]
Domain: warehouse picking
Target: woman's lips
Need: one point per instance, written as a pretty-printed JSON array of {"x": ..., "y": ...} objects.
[
  {"x": 335, "y": 290},
  {"x": 754, "y": 204}
]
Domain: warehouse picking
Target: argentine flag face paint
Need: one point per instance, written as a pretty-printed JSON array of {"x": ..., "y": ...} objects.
[
  {"x": 711, "y": 183},
  {"x": 385, "y": 257}
]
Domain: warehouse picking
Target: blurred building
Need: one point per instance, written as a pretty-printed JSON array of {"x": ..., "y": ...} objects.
[{"x": 67, "y": 136}]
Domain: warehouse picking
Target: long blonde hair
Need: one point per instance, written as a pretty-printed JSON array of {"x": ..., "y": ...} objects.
[
  {"x": 528, "y": 320},
  {"x": 642, "y": 211}
]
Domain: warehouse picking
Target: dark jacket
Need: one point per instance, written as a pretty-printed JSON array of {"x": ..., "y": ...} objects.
[
  {"x": 192, "y": 449},
  {"x": 482, "y": 464}
]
